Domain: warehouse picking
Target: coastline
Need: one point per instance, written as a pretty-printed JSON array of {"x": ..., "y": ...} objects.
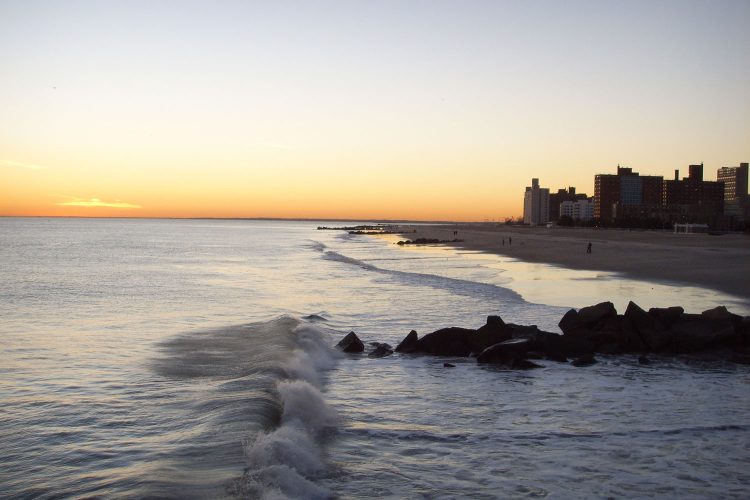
[{"x": 720, "y": 263}]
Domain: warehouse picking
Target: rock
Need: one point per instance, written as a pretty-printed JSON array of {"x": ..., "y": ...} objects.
[
  {"x": 506, "y": 352},
  {"x": 696, "y": 332},
  {"x": 741, "y": 359},
  {"x": 351, "y": 343},
  {"x": 556, "y": 357},
  {"x": 742, "y": 328},
  {"x": 651, "y": 332},
  {"x": 608, "y": 336},
  {"x": 452, "y": 341},
  {"x": 524, "y": 364},
  {"x": 557, "y": 347},
  {"x": 584, "y": 361},
  {"x": 448, "y": 365},
  {"x": 523, "y": 331},
  {"x": 570, "y": 322},
  {"x": 593, "y": 315},
  {"x": 667, "y": 316},
  {"x": 493, "y": 332},
  {"x": 409, "y": 344},
  {"x": 718, "y": 313},
  {"x": 643, "y": 360},
  {"x": 381, "y": 350}
]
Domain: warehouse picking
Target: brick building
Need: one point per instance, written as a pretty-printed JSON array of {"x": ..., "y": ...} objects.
[{"x": 626, "y": 195}]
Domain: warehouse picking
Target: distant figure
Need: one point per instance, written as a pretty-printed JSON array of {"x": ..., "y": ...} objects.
[
  {"x": 510, "y": 240},
  {"x": 455, "y": 233},
  {"x": 588, "y": 248},
  {"x": 503, "y": 241}
]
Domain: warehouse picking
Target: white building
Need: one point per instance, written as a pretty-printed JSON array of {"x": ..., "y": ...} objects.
[
  {"x": 578, "y": 210},
  {"x": 536, "y": 204}
]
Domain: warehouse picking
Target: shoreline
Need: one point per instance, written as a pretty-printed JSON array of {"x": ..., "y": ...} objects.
[{"x": 720, "y": 263}]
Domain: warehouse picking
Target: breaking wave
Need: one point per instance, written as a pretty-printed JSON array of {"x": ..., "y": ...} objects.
[{"x": 276, "y": 370}]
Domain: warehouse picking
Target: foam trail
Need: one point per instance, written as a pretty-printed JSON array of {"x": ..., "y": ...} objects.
[{"x": 455, "y": 285}]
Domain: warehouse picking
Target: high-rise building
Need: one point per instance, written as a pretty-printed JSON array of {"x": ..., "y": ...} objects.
[
  {"x": 578, "y": 210},
  {"x": 555, "y": 199},
  {"x": 735, "y": 181},
  {"x": 536, "y": 204},
  {"x": 692, "y": 199},
  {"x": 736, "y": 202},
  {"x": 626, "y": 194}
]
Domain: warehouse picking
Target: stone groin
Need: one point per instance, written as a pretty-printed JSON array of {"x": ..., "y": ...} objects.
[{"x": 597, "y": 329}]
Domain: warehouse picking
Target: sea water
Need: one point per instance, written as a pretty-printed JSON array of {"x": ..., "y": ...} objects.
[{"x": 187, "y": 358}]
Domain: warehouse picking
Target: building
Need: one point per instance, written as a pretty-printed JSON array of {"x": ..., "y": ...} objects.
[
  {"x": 536, "y": 204},
  {"x": 735, "y": 181},
  {"x": 555, "y": 199},
  {"x": 736, "y": 202},
  {"x": 582, "y": 210},
  {"x": 626, "y": 195},
  {"x": 692, "y": 200}
]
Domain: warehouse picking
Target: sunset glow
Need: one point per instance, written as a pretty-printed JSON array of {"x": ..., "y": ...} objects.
[{"x": 358, "y": 110}]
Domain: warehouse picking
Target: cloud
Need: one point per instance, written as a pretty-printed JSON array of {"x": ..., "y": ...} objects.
[
  {"x": 31, "y": 166},
  {"x": 96, "y": 202}
]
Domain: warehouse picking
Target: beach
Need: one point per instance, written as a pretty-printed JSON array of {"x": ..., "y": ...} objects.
[{"x": 719, "y": 262}]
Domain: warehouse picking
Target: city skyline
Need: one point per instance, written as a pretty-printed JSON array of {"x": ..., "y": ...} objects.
[{"x": 358, "y": 110}]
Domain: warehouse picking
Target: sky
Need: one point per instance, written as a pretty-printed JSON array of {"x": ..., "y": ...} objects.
[{"x": 425, "y": 110}]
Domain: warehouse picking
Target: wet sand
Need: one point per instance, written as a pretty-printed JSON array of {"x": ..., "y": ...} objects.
[{"x": 717, "y": 262}]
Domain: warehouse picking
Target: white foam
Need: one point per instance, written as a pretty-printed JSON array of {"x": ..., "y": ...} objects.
[
  {"x": 285, "y": 462},
  {"x": 305, "y": 407}
]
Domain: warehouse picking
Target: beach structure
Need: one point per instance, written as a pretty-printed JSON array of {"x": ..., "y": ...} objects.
[{"x": 536, "y": 204}]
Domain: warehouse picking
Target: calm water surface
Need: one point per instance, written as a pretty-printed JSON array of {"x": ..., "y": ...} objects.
[{"x": 192, "y": 359}]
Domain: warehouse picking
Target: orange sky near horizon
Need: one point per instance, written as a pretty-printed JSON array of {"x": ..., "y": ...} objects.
[{"x": 361, "y": 110}]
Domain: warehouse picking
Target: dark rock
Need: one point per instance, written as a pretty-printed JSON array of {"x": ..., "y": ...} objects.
[
  {"x": 741, "y": 359},
  {"x": 351, "y": 343},
  {"x": 556, "y": 346},
  {"x": 608, "y": 337},
  {"x": 584, "y": 361},
  {"x": 452, "y": 341},
  {"x": 381, "y": 350},
  {"x": 448, "y": 365},
  {"x": 742, "y": 328},
  {"x": 523, "y": 331},
  {"x": 718, "y": 313},
  {"x": 667, "y": 316},
  {"x": 643, "y": 360},
  {"x": 556, "y": 357},
  {"x": 570, "y": 322},
  {"x": 493, "y": 332},
  {"x": 534, "y": 355},
  {"x": 409, "y": 344},
  {"x": 506, "y": 352},
  {"x": 593, "y": 315},
  {"x": 524, "y": 364},
  {"x": 696, "y": 332},
  {"x": 651, "y": 332}
]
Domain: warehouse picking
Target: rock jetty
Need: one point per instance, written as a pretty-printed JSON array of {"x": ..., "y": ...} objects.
[{"x": 597, "y": 329}]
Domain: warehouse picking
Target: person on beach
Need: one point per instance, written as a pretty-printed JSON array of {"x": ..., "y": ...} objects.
[
  {"x": 588, "y": 248},
  {"x": 510, "y": 240},
  {"x": 503, "y": 241}
]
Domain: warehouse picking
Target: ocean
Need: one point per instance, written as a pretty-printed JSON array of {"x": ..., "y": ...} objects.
[{"x": 195, "y": 359}]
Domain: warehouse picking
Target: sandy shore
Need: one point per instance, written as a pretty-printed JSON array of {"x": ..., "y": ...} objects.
[{"x": 717, "y": 262}]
